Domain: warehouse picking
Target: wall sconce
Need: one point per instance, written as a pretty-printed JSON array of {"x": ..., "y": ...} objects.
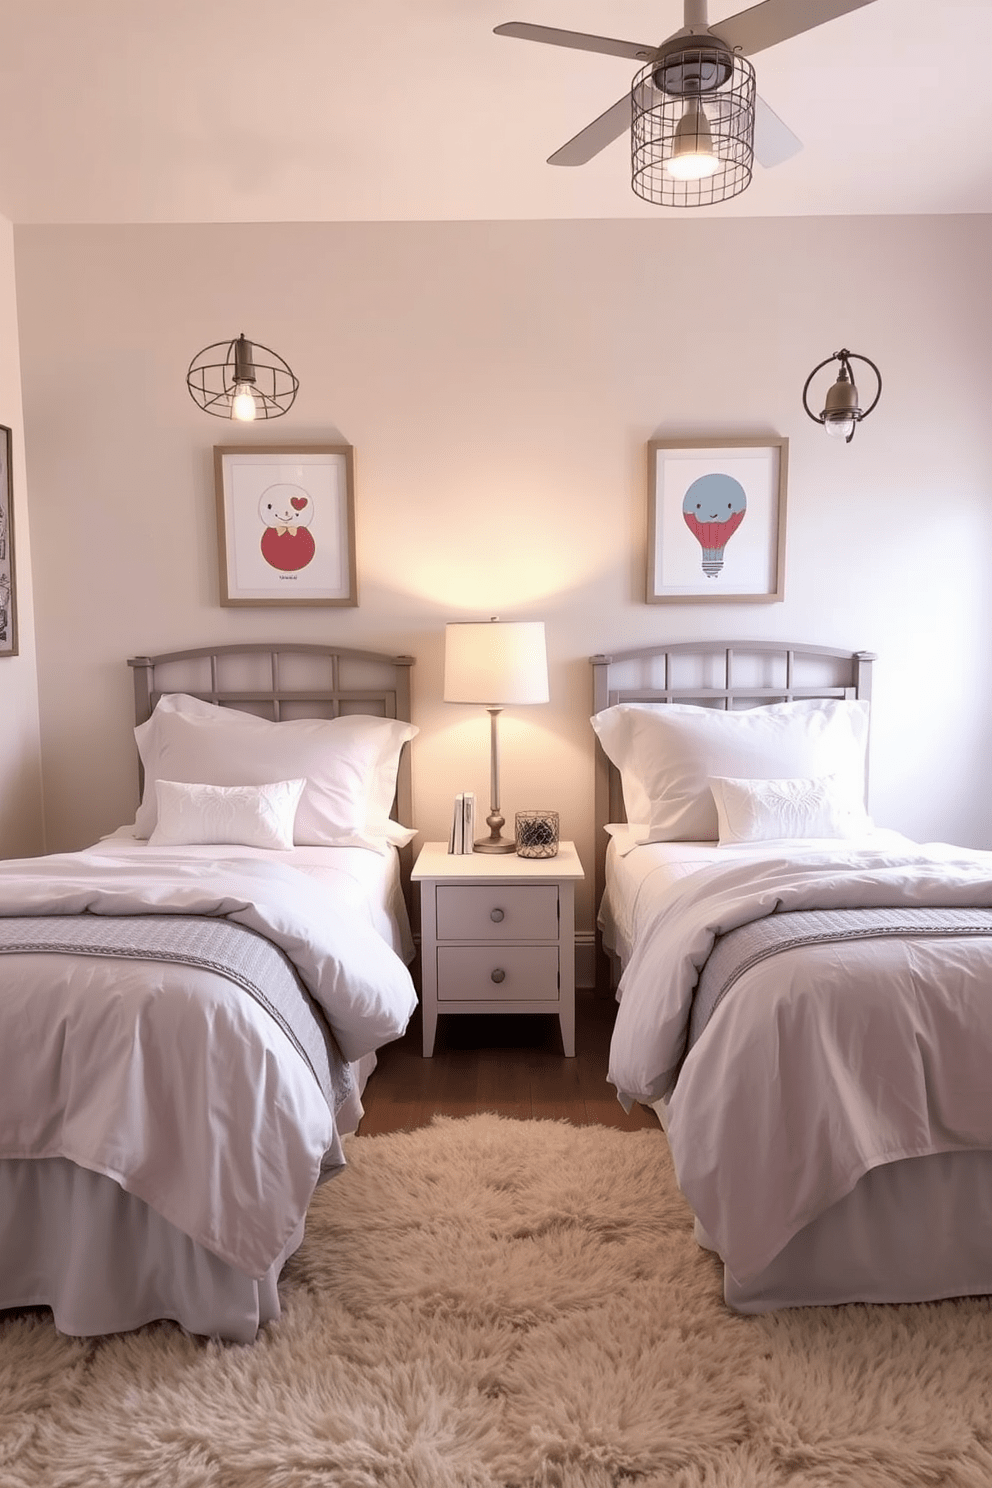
[
  {"x": 229, "y": 380},
  {"x": 841, "y": 413}
]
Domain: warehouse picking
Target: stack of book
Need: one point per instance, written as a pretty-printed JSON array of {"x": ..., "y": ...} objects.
[{"x": 462, "y": 838}]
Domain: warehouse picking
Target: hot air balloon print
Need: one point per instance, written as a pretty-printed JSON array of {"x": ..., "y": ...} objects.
[{"x": 713, "y": 508}]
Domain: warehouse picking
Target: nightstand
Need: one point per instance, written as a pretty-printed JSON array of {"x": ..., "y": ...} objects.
[{"x": 497, "y": 935}]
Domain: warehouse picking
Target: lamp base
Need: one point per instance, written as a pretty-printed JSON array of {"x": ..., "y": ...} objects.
[
  {"x": 495, "y": 821},
  {"x": 497, "y": 845}
]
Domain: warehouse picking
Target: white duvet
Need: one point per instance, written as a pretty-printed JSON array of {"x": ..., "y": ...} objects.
[
  {"x": 825, "y": 1061},
  {"x": 93, "y": 1050}
]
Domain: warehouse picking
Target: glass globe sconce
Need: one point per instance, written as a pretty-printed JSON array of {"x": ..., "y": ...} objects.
[{"x": 842, "y": 411}]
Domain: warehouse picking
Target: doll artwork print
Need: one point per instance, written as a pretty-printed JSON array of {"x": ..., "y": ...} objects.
[{"x": 286, "y": 512}]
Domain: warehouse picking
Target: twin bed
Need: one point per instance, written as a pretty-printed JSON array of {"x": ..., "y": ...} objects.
[
  {"x": 193, "y": 1005},
  {"x": 805, "y": 1000}
]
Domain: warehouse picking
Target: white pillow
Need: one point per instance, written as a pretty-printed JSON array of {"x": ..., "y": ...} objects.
[
  {"x": 349, "y": 765},
  {"x": 254, "y": 815},
  {"x": 613, "y": 727},
  {"x": 668, "y": 752},
  {"x": 760, "y": 810}
]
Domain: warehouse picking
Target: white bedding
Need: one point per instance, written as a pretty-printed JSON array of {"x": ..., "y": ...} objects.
[
  {"x": 367, "y": 880},
  {"x": 636, "y": 881},
  {"x": 810, "y": 1076},
  {"x": 233, "y": 1163}
]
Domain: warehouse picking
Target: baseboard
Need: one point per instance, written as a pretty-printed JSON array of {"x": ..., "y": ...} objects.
[{"x": 585, "y": 959}]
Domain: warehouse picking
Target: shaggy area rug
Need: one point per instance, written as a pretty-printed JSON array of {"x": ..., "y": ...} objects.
[{"x": 489, "y": 1303}]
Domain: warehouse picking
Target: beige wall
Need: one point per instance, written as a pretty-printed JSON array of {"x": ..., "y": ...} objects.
[
  {"x": 21, "y": 826},
  {"x": 499, "y": 382}
]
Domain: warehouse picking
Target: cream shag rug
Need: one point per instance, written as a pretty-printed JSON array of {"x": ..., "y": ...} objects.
[{"x": 493, "y": 1302}]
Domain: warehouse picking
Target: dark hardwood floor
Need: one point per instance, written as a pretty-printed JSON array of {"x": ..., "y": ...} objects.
[{"x": 511, "y": 1065}]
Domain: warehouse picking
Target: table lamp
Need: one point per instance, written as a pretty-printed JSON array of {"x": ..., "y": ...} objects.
[{"x": 495, "y": 664}]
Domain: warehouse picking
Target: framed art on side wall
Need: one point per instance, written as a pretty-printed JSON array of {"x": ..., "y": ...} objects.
[
  {"x": 8, "y": 594},
  {"x": 716, "y": 520},
  {"x": 286, "y": 524}
]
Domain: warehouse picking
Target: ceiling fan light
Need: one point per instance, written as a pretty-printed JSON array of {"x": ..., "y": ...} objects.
[
  {"x": 692, "y": 166},
  {"x": 685, "y": 155},
  {"x": 693, "y": 157}
]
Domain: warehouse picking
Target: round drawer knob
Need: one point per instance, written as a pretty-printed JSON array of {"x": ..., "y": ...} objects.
[
  {"x": 497, "y": 975},
  {"x": 496, "y": 915}
]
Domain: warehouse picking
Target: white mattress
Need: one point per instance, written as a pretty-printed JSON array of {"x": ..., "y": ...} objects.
[{"x": 638, "y": 874}]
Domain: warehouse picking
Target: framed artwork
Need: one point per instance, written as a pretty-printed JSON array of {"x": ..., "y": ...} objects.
[
  {"x": 8, "y": 594},
  {"x": 716, "y": 520},
  {"x": 286, "y": 524}
]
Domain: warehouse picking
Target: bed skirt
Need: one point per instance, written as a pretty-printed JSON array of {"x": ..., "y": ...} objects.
[
  {"x": 917, "y": 1230},
  {"x": 104, "y": 1262}
]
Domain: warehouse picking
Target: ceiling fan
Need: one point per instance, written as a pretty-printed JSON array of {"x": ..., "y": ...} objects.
[{"x": 692, "y": 109}]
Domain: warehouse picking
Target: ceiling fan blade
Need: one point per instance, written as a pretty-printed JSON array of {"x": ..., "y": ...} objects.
[
  {"x": 580, "y": 40},
  {"x": 773, "y": 21},
  {"x": 596, "y": 136},
  {"x": 774, "y": 141}
]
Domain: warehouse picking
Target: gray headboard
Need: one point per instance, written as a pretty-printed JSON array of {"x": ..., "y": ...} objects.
[
  {"x": 716, "y": 674},
  {"x": 284, "y": 680}
]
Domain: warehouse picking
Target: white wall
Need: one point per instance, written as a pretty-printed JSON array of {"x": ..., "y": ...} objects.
[
  {"x": 499, "y": 382},
  {"x": 21, "y": 824}
]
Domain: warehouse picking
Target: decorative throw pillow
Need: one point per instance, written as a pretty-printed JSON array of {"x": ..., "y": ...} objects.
[
  {"x": 253, "y": 815},
  {"x": 760, "y": 810}
]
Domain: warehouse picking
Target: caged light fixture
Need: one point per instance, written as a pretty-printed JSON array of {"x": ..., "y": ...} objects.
[
  {"x": 230, "y": 380},
  {"x": 695, "y": 121},
  {"x": 841, "y": 410},
  {"x": 692, "y": 124}
]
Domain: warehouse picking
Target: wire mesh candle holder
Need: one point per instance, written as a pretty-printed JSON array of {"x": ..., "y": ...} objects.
[{"x": 537, "y": 834}]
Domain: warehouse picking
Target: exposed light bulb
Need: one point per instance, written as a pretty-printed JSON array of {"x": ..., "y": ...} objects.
[
  {"x": 839, "y": 425},
  {"x": 693, "y": 157},
  {"x": 243, "y": 402},
  {"x": 692, "y": 167}
]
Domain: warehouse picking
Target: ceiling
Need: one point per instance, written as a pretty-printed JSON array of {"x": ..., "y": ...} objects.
[{"x": 403, "y": 110}]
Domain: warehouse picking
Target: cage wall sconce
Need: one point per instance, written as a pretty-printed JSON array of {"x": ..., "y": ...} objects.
[
  {"x": 231, "y": 380},
  {"x": 841, "y": 411}
]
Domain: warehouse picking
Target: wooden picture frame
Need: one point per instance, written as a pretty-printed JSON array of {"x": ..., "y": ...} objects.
[
  {"x": 8, "y": 585},
  {"x": 286, "y": 524},
  {"x": 716, "y": 520}
]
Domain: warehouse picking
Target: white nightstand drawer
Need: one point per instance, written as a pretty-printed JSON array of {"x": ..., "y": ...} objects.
[
  {"x": 497, "y": 973},
  {"x": 497, "y": 912}
]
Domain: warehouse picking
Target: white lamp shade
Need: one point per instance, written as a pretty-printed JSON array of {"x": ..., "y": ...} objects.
[{"x": 496, "y": 664}]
